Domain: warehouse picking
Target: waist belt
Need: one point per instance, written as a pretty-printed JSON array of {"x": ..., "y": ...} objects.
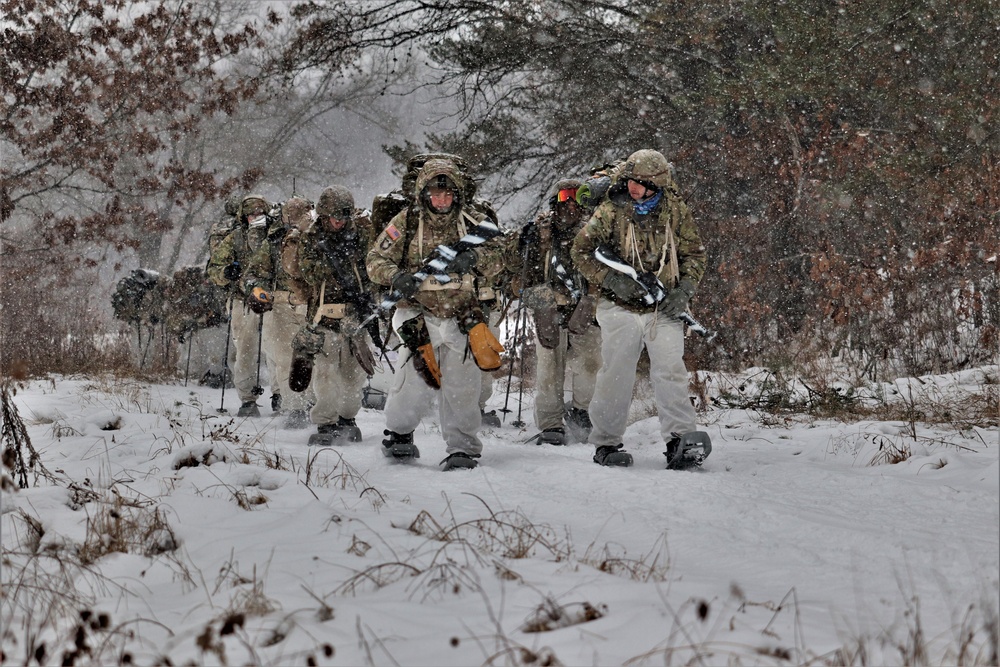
[
  {"x": 333, "y": 311},
  {"x": 285, "y": 296},
  {"x": 431, "y": 284}
]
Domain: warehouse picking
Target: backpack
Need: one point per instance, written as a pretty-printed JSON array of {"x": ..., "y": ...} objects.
[
  {"x": 386, "y": 206},
  {"x": 138, "y": 297},
  {"x": 192, "y": 302}
]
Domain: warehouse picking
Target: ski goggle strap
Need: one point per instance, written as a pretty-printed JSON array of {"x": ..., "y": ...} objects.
[{"x": 566, "y": 195}]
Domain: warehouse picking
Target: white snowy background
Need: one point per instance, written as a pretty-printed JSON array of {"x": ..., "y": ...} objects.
[{"x": 173, "y": 534}]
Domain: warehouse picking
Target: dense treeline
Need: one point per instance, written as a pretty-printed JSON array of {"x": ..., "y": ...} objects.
[{"x": 840, "y": 157}]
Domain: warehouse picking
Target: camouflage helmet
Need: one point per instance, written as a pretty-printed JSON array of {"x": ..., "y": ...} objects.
[
  {"x": 335, "y": 200},
  {"x": 250, "y": 202},
  {"x": 649, "y": 167}
]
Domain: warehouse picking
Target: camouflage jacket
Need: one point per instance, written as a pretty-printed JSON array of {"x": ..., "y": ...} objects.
[
  {"x": 238, "y": 245},
  {"x": 540, "y": 241},
  {"x": 333, "y": 267},
  {"x": 665, "y": 241},
  {"x": 275, "y": 265},
  {"x": 412, "y": 235}
]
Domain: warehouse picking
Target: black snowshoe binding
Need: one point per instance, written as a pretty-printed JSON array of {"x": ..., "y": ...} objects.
[
  {"x": 612, "y": 455},
  {"x": 248, "y": 409},
  {"x": 349, "y": 429},
  {"x": 491, "y": 419},
  {"x": 578, "y": 424},
  {"x": 459, "y": 461},
  {"x": 688, "y": 451},
  {"x": 552, "y": 436},
  {"x": 399, "y": 446}
]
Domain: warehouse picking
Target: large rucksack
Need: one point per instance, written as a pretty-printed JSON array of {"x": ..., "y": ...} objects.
[
  {"x": 386, "y": 206},
  {"x": 192, "y": 302},
  {"x": 139, "y": 297}
]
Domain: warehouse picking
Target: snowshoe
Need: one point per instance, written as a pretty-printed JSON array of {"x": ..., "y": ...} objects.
[
  {"x": 326, "y": 435},
  {"x": 348, "y": 427},
  {"x": 459, "y": 461},
  {"x": 688, "y": 451},
  {"x": 491, "y": 419},
  {"x": 612, "y": 455},
  {"x": 399, "y": 446},
  {"x": 296, "y": 419},
  {"x": 275, "y": 402},
  {"x": 552, "y": 436},
  {"x": 248, "y": 409}
]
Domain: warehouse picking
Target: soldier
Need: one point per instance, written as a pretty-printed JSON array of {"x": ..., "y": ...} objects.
[
  {"x": 553, "y": 290},
  {"x": 331, "y": 258},
  {"x": 646, "y": 224},
  {"x": 225, "y": 269},
  {"x": 274, "y": 279},
  {"x": 440, "y": 323}
]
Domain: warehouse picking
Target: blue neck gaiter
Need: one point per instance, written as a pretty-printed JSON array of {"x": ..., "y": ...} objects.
[{"x": 646, "y": 205}]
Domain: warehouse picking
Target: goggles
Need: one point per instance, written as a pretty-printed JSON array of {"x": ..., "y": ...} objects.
[
  {"x": 652, "y": 187},
  {"x": 342, "y": 214},
  {"x": 566, "y": 195}
]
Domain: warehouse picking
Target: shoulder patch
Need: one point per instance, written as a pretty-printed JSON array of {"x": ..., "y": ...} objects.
[
  {"x": 392, "y": 232},
  {"x": 386, "y": 244}
]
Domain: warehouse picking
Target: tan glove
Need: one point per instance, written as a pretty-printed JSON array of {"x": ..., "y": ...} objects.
[
  {"x": 427, "y": 366},
  {"x": 485, "y": 347},
  {"x": 259, "y": 300}
]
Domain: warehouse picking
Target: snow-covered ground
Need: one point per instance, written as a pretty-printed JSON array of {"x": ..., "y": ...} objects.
[{"x": 797, "y": 543}]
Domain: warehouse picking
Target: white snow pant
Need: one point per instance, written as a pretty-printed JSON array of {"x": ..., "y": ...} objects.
[
  {"x": 581, "y": 356},
  {"x": 280, "y": 326},
  {"x": 410, "y": 398},
  {"x": 243, "y": 351},
  {"x": 337, "y": 380},
  {"x": 624, "y": 335}
]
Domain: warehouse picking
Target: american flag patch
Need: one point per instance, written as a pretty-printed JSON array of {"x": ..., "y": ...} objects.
[{"x": 392, "y": 232}]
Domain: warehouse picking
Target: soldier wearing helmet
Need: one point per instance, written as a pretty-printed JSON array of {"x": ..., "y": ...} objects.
[
  {"x": 644, "y": 222},
  {"x": 441, "y": 322},
  {"x": 332, "y": 261},
  {"x": 274, "y": 284},
  {"x": 225, "y": 268},
  {"x": 553, "y": 289}
]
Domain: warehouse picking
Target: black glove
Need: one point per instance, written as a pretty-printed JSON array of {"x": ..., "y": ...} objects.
[
  {"x": 677, "y": 299},
  {"x": 405, "y": 283},
  {"x": 233, "y": 271},
  {"x": 623, "y": 288},
  {"x": 463, "y": 262}
]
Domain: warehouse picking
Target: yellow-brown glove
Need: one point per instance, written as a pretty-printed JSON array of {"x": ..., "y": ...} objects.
[
  {"x": 485, "y": 347},
  {"x": 260, "y": 301},
  {"x": 427, "y": 366}
]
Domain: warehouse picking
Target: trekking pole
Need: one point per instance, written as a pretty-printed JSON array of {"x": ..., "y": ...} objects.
[
  {"x": 518, "y": 342},
  {"x": 520, "y": 387},
  {"x": 257, "y": 389},
  {"x": 510, "y": 370},
  {"x": 187, "y": 366},
  {"x": 225, "y": 357}
]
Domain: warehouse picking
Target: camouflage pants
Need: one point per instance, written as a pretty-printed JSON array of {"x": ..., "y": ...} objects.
[
  {"x": 624, "y": 335},
  {"x": 578, "y": 354},
  {"x": 280, "y": 325},
  {"x": 337, "y": 381},
  {"x": 410, "y": 398}
]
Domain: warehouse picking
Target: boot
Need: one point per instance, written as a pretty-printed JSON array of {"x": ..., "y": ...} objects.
[
  {"x": 248, "y": 409},
  {"x": 459, "y": 460},
  {"x": 490, "y": 419},
  {"x": 399, "y": 446},
  {"x": 688, "y": 450},
  {"x": 275, "y": 402},
  {"x": 552, "y": 436},
  {"x": 349, "y": 429},
  {"x": 612, "y": 455},
  {"x": 296, "y": 419}
]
